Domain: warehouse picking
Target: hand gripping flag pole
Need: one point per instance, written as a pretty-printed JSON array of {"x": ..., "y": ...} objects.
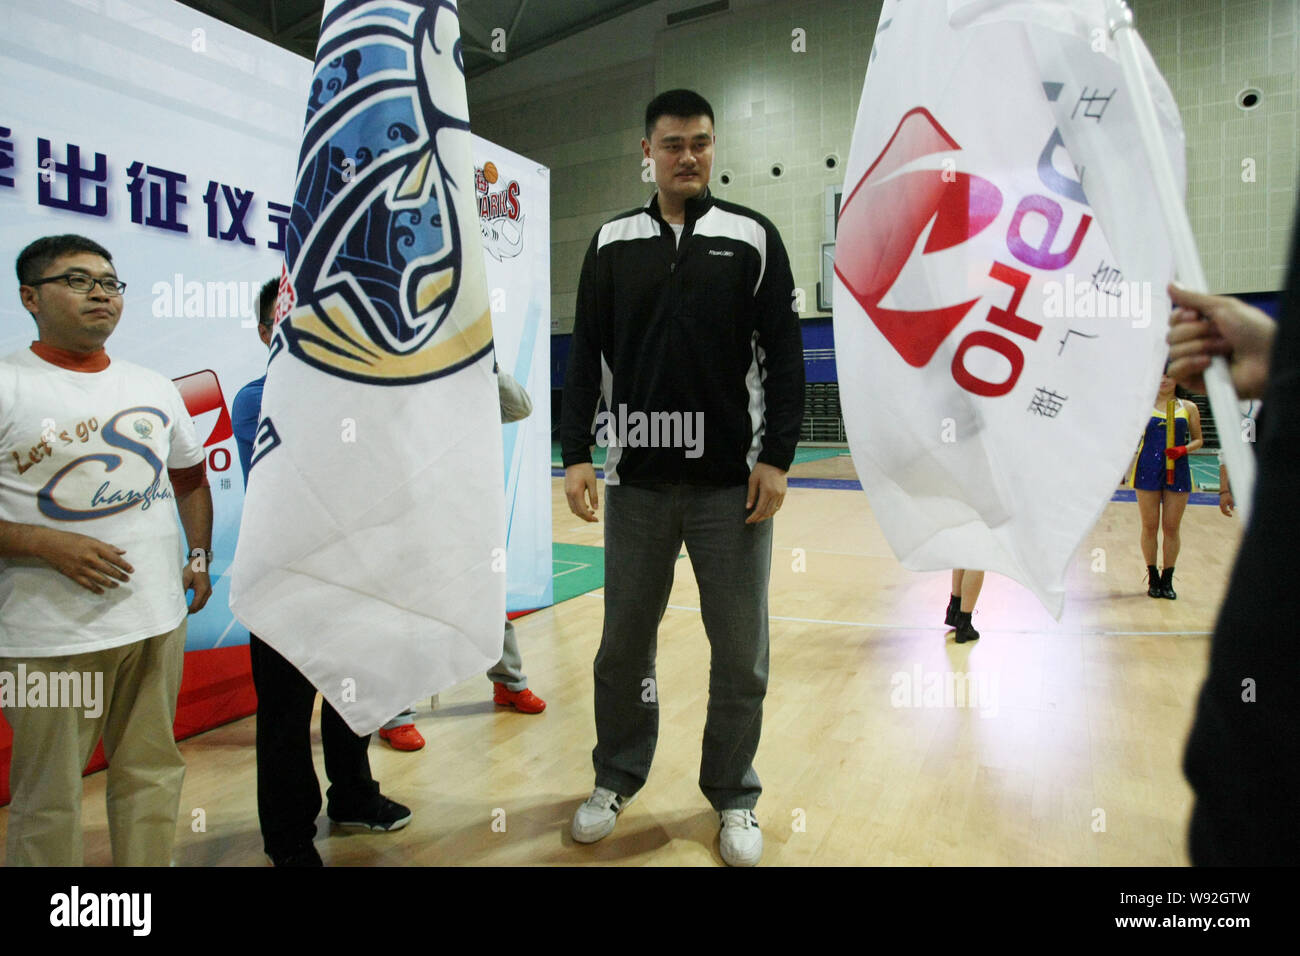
[{"x": 1223, "y": 397}]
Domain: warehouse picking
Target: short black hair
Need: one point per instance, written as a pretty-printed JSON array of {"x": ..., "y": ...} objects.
[
  {"x": 266, "y": 301},
  {"x": 37, "y": 257},
  {"x": 681, "y": 103}
]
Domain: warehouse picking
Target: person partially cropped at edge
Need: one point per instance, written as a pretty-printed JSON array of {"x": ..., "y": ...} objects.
[
  {"x": 97, "y": 457},
  {"x": 1243, "y": 755},
  {"x": 685, "y": 319}
]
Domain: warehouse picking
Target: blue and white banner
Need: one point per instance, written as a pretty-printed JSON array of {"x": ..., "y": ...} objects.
[{"x": 372, "y": 552}]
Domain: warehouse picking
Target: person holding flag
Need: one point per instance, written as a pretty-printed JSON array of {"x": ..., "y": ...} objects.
[
  {"x": 288, "y": 792},
  {"x": 375, "y": 493},
  {"x": 1243, "y": 754},
  {"x": 509, "y": 683}
]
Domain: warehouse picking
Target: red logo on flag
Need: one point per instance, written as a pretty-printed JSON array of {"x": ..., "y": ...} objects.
[
  {"x": 201, "y": 393},
  {"x": 284, "y": 299},
  {"x": 885, "y": 216}
]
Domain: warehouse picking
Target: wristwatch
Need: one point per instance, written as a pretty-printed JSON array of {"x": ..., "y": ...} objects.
[{"x": 207, "y": 556}]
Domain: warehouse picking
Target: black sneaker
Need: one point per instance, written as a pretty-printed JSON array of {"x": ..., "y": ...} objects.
[
  {"x": 306, "y": 856},
  {"x": 1154, "y": 587},
  {"x": 383, "y": 816},
  {"x": 954, "y": 605},
  {"x": 1167, "y": 584},
  {"x": 965, "y": 631}
]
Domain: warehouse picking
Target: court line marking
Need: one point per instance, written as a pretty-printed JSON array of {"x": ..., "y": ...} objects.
[
  {"x": 924, "y": 627},
  {"x": 578, "y": 566}
]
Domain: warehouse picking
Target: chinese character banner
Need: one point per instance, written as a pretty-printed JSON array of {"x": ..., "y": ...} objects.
[
  {"x": 170, "y": 139},
  {"x": 173, "y": 140}
]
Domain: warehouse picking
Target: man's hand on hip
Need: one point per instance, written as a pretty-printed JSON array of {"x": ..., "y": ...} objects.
[
  {"x": 767, "y": 485},
  {"x": 580, "y": 488}
]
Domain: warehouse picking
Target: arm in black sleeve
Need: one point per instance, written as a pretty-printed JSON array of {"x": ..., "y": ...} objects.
[
  {"x": 1243, "y": 757},
  {"x": 780, "y": 339},
  {"x": 582, "y": 376}
]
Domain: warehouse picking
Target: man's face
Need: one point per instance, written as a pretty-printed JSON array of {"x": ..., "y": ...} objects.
[
  {"x": 682, "y": 153},
  {"x": 77, "y": 321}
]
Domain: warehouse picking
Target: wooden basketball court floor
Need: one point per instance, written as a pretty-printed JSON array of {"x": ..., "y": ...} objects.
[{"x": 1067, "y": 753}]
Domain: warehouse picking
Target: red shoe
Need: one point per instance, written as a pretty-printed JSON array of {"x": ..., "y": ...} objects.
[
  {"x": 405, "y": 737},
  {"x": 524, "y": 701}
]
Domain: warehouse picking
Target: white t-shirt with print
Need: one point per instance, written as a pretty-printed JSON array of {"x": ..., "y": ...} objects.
[{"x": 88, "y": 452}]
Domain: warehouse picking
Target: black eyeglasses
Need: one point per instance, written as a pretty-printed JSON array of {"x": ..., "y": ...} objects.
[{"x": 80, "y": 282}]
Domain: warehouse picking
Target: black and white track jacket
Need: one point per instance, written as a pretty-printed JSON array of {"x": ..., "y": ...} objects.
[{"x": 706, "y": 329}]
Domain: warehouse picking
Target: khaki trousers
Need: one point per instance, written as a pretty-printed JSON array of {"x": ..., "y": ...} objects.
[{"x": 53, "y": 744}]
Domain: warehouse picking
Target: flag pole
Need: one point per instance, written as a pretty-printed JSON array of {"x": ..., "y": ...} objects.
[
  {"x": 1187, "y": 260},
  {"x": 1170, "y": 429}
]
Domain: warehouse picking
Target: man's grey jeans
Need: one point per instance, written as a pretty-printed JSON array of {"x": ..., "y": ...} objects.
[{"x": 644, "y": 530}]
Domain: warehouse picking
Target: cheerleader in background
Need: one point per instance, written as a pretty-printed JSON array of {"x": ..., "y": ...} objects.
[{"x": 1161, "y": 503}]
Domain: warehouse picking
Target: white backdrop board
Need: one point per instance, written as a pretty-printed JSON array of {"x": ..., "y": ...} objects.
[
  {"x": 515, "y": 219},
  {"x": 171, "y": 139}
]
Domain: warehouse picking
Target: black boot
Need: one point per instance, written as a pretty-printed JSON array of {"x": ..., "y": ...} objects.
[
  {"x": 965, "y": 632},
  {"x": 954, "y": 605},
  {"x": 1154, "y": 588},
  {"x": 1167, "y": 584}
]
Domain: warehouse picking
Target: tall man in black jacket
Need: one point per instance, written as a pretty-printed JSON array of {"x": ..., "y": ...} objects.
[{"x": 685, "y": 325}]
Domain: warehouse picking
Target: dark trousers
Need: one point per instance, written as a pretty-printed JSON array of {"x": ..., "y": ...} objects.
[
  {"x": 288, "y": 793},
  {"x": 644, "y": 531}
]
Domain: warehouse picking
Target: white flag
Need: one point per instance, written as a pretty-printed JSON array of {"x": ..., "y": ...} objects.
[
  {"x": 1000, "y": 267},
  {"x": 371, "y": 551}
]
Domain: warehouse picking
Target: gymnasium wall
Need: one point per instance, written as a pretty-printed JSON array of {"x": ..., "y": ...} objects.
[
  {"x": 1209, "y": 51},
  {"x": 777, "y": 105},
  {"x": 588, "y": 132}
]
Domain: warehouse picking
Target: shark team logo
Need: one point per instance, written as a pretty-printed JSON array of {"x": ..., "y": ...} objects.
[
  {"x": 500, "y": 217},
  {"x": 377, "y": 287}
]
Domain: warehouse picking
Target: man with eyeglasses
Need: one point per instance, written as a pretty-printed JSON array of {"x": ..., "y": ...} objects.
[{"x": 96, "y": 458}]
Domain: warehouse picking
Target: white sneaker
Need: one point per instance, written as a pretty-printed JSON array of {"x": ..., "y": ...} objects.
[
  {"x": 741, "y": 841},
  {"x": 595, "y": 818}
]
